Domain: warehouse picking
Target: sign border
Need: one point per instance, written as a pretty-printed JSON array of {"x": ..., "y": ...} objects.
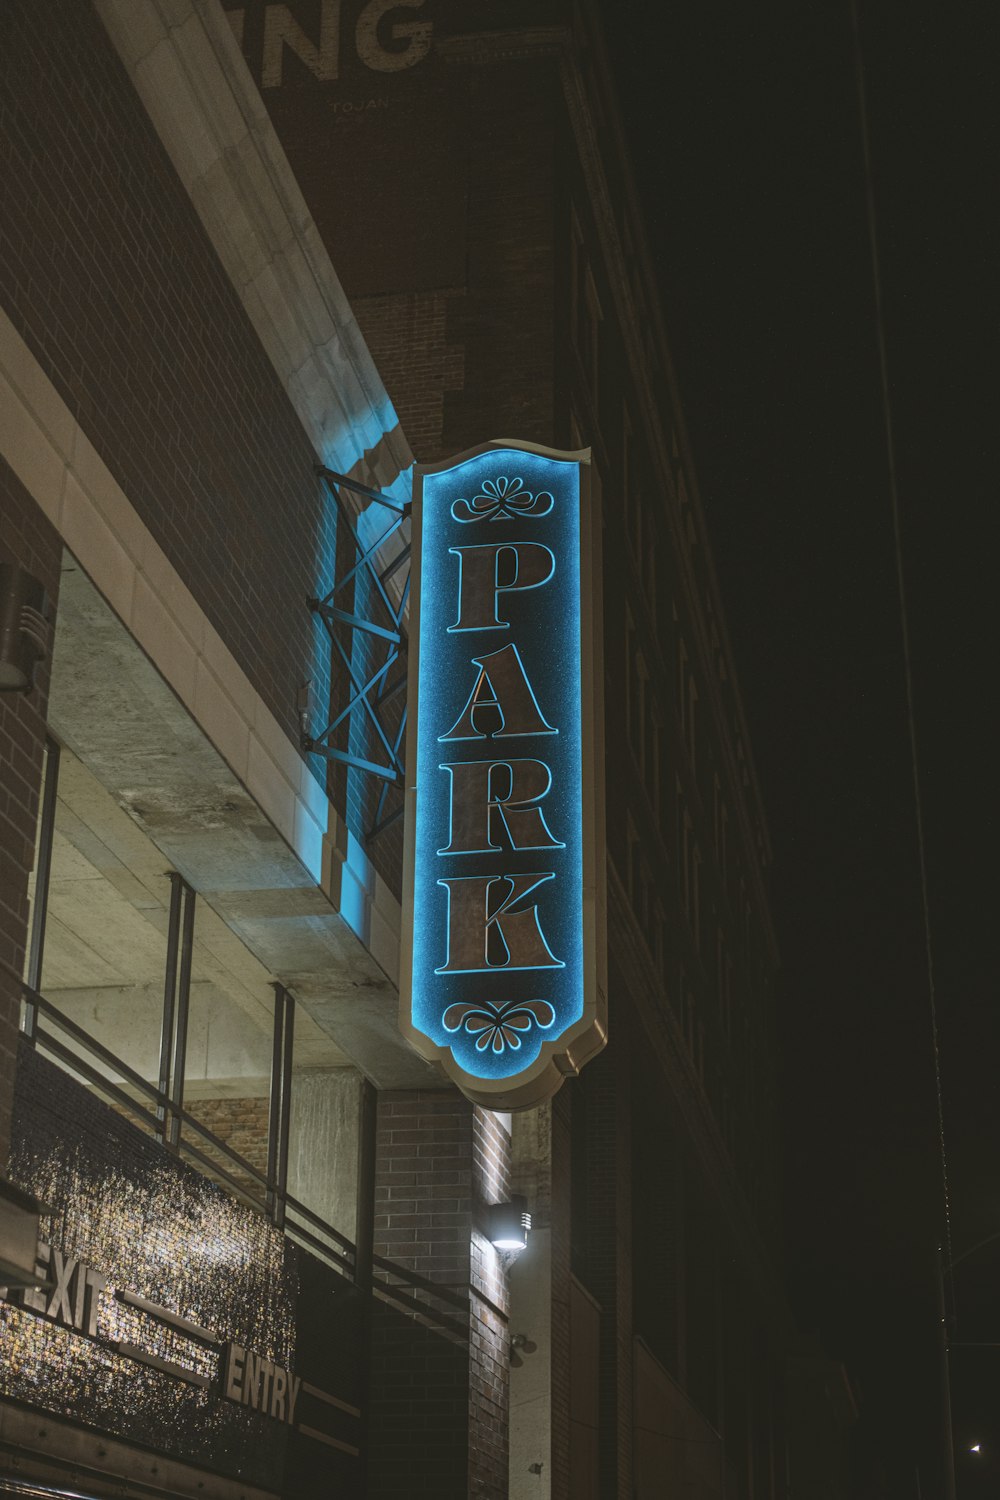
[{"x": 564, "y": 1057}]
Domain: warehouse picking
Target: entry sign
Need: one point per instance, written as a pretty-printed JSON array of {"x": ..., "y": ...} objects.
[{"x": 502, "y": 973}]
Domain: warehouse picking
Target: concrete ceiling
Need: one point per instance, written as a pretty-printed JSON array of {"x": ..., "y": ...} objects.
[{"x": 142, "y": 790}]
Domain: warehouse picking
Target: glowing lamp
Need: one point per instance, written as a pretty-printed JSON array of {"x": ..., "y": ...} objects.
[{"x": 509, "y": 1224}]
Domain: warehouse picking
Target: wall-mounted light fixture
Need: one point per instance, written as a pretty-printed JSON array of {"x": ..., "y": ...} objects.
[
  {"x": 24, "y": 628},
  {"x": 509, "y": 1223}
]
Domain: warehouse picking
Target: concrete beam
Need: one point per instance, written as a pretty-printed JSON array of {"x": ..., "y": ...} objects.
[{"x": 112, "y": 708}]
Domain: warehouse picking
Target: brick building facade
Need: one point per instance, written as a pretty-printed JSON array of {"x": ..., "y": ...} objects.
[
  {"x": 510, "y": 292},
  {"x": 236, "y": 247}
]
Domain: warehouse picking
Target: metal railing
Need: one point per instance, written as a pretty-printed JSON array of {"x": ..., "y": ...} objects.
[
  {"x": 161, "y": 1111},
  {"x": 427, "y": 1301},
  {"x": 160, "y": 1108}
]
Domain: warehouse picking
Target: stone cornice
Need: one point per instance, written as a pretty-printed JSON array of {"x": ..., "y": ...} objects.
[{"x": 206, "y": 108}]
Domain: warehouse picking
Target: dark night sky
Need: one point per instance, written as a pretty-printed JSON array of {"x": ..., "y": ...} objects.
[{"x": 745, "y": 131}]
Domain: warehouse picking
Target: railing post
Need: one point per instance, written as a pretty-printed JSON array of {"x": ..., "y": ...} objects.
[
  {"x": 181, "y": 1019},
  {"x": 43, "y": 873},
  {"x": 288, "y": 1043},
  {"x": 274, "y": 1101},
  {"x": 280, "y": 1104},
  {"x": 169, "y": 1002}
]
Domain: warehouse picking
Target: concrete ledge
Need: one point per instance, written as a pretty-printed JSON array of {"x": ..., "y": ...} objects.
[
  {"x": 189, "y": 72},
  {"x": 350, "y": 991}
]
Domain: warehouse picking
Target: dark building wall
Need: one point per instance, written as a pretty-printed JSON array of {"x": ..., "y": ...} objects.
[
  {"x": 684, "y": 833},
  {"x": 109, "y": 277},
  {"x": 417, "y": 1431},
  {"x": 27, "y": 539},
  {"x": 503, "y": 321},
  {"x": 607, "y": 1270},
  {"x": 474, "y": 359},
  {"x": 520, "y": 304},
  {"x": 560, "y": 1214},
  {"x": 508, "y": 295}
]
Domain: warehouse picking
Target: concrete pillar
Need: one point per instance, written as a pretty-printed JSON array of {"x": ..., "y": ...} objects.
[{"x": 323, "y": 1144}]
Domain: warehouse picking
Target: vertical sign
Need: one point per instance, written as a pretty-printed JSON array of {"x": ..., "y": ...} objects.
[{"x": 502, "y": 966}]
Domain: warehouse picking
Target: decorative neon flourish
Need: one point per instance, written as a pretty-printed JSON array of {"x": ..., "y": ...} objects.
[
  {"x": 502, "y": 499},
  {"x": 497, "y": 1027}
]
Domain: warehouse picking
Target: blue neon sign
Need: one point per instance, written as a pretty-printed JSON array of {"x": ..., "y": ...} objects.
[{"x": 502, "y": 941}]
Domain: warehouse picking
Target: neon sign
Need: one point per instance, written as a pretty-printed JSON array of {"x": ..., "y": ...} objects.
[{"x": 503, "y": 948}]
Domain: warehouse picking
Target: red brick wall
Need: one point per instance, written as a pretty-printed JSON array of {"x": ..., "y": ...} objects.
[
  {"x": 25, "y": 538},
  {"x": 240, "y": 1123}
]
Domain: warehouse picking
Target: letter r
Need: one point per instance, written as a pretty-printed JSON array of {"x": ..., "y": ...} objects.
[{"x": 493, "y": 797}]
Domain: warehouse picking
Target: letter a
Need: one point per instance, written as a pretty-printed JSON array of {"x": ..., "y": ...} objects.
[{"x": 502, "y": 701}]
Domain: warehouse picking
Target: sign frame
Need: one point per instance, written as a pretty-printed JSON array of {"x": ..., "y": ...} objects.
[{"x": 567, "y": 1052}]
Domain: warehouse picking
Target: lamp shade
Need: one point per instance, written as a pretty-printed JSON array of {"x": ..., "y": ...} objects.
[
  {"x": 24, "y": 628},
  {"x": 509, "y": 1224}
]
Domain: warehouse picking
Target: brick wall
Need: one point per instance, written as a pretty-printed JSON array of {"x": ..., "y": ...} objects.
[
  {"x": 25, "y": 538},
  {"x": 407, "y": 333},
  {"x": 110, "y": 279},
  {"x": 242, "y": 1125},
  {"x": 423, "y": 1183},
  {"x": 418, "y": 1433},
  {"x": 490, "y": 1353},
  {"x": 439, "y": 1163},
  {"x": 473, "y": 360}
]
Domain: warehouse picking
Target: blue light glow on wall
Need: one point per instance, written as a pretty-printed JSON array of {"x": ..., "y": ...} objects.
[{"x": 497, "y": 836}]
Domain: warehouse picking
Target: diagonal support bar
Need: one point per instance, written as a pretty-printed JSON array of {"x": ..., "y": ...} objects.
[{"x": 370, "y": 691}]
